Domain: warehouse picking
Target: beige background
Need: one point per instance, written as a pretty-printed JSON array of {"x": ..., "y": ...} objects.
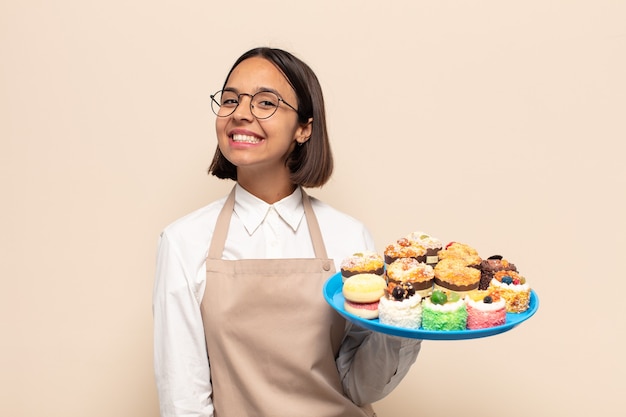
[{"x": 498, "y": 124}]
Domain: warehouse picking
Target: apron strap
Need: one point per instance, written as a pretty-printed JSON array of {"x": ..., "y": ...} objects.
[
  {"x": 216, "y": 249},
  {"x": 314, "y": 228}
]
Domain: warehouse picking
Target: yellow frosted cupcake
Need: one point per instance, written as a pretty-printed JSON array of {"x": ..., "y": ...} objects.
[
  {"x": 462, "y": 252},
  {"x": 455, "y": 275},
  {"x": 365, "y": 262},
  {"x": 403, "y": 248},
  {"x": 421, "y": 276},
  {"x": 431, "y": 244}
]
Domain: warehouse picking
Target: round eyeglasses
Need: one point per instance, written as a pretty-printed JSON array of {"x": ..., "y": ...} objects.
[{"x": 262, "y": 104}]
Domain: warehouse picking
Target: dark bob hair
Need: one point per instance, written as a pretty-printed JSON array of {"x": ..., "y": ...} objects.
[{"x": 310, "y": 164}]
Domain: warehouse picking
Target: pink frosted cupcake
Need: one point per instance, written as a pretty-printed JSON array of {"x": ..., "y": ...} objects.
[{"x": 484, "y": 310}]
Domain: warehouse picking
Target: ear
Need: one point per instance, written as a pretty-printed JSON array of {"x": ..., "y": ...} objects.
[{"x": 303, "y": 133}]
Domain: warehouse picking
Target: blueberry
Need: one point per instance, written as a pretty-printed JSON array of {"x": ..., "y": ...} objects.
[
  {"x": 488, "y": 299},
  {"x": 410, "y": 291},
  {"x": 507, "y": 280},
  {"x": 397, "y": 293}
]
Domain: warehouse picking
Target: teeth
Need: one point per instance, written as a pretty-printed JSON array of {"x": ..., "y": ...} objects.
[{"x": 245, "y": 138}]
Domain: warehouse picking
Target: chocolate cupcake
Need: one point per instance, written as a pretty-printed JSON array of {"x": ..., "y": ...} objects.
[{"x": 491, "y": 265}]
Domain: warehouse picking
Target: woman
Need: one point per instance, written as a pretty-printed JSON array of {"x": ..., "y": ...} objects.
[{"x": 241, "y": 326}]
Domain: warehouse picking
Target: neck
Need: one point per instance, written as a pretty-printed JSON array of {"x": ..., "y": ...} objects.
[{"x": 267, "y": 187}]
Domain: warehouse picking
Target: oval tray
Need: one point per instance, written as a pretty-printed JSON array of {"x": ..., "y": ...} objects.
[{"x": 334, "y": 297}]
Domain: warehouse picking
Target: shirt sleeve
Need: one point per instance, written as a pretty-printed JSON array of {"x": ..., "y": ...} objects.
[
  {"x": 372, "y": 364},
  {"x": 180, "y": 357}
]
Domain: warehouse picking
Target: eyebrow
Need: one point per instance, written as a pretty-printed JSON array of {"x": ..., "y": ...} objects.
[{"x": 258, "y": 90}]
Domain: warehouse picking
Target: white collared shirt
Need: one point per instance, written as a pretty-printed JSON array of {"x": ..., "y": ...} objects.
[{"x": 257, "y": 231}]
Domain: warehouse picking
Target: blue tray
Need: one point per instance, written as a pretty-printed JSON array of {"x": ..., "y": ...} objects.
[{"x": 334, "y": 297}]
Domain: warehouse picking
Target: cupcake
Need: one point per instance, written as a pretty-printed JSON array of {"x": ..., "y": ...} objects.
[
  {"x": 431, "y": 244},
  {"x": 513, "y": 288},
  {"x": 421, "y": 276},
  {"x": 490, "y": 266},
  {"x": 362, "y": 293},
  {"x": 403, "y": 248},
  {"x": 444, "y": 311},
  {"x": 455, "y": 275},
  {"x": 366, "y": 262},
  {"x": 460, "y": 251},
  {"x": 401, "y": 306},
  {"x": 485, "y": 309}
]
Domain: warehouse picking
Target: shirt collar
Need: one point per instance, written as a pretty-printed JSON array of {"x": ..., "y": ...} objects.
[{"x": 252, "y": 211}]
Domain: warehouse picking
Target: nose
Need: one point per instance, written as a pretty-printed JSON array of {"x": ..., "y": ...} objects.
[{"x": 243, "y": 111}]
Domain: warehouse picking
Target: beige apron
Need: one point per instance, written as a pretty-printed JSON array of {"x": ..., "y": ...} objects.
[{"x": 271, "y": 338}]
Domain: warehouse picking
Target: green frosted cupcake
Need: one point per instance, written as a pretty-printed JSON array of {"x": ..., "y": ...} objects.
[{"x": 444, "y": 312}]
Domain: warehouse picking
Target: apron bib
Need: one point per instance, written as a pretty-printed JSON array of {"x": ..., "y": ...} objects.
[{"x": 271, "y": 337}]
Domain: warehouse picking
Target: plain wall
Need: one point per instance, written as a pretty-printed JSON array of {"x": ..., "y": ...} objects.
[{"x": 498, "y": 124}]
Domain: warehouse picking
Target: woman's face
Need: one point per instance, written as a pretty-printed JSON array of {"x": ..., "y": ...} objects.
[{"x": 250, "y": 143}]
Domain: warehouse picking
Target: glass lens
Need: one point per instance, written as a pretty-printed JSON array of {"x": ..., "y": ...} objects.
[
  {"x": 264, "y": 104},
  {"x": 223, "y": 103}
]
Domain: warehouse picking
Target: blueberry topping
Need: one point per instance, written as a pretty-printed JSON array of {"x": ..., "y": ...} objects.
[
  {"x": 507, "y": 280},
  {"x": 397, "y": 293},
  {"x": 498, "y": 257},
  {"x": 401, "y": 291},
  {"x": 410, "y": 291},
  {"x": 488, "y": 299}
]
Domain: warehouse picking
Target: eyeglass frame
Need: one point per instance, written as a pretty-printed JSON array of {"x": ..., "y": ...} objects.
[{"x": 280, "y": 99}]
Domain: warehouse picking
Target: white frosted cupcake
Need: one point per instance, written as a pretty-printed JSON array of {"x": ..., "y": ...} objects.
[{"x": 401, "y": 307}]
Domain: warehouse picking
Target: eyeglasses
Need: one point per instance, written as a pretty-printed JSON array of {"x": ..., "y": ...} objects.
[{"x": 263, "y": 104}]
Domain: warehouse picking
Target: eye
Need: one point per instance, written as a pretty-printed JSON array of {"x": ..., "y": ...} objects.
[
  {"x": 230, "y": 102},
  {"x": 266, "y": 100},
  {"x": 229, "y": 99}
]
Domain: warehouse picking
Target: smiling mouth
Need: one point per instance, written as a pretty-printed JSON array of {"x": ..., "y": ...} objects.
[{"x": 245, "y": 139}]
